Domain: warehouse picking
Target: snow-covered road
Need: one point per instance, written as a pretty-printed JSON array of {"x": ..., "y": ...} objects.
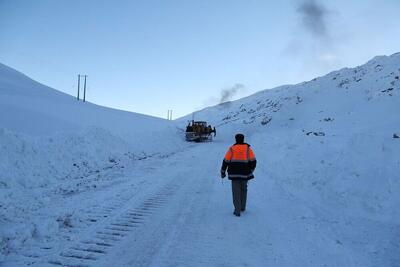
[
  {"x": 196, "y": 226},
  {"x": 175, "y": 211}
]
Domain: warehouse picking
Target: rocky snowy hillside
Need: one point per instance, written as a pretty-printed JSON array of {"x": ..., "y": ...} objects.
[{"x": 365, "y": 98}]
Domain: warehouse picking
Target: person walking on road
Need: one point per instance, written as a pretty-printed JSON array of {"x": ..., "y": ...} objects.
[{"x": 240, "y": 161}]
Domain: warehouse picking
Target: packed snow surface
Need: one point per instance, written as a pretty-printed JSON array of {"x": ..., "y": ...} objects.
[{"x": 83, "y": 185}]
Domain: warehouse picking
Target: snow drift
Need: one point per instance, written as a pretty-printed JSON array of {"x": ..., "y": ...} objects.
[{"x": 43, "y": 132}]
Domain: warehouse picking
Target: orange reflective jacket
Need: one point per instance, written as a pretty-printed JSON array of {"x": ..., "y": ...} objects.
[
  {"x": 239, "y": 153},
  {"x": 240, "y": 161}
]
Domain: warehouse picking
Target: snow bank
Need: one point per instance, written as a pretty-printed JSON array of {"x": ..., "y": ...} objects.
[
  {"x": 37, "y": 161},
  {"x": 45, "y": 132}
]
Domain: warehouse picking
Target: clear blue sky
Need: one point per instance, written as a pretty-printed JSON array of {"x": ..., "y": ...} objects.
[{"x": 151, "y": 56}]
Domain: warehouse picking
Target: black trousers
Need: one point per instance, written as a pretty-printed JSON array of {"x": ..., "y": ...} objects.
[{"x": 239, "y": 194}]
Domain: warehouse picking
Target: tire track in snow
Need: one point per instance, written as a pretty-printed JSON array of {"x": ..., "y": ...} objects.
[
  {"x": 103, "y": 225},
  {"x": 153, "y": 245},
  {"x": 88, "y": 250},
  {"x": 90, "y": 216}
]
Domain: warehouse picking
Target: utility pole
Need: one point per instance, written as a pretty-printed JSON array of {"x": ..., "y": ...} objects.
[
  {"x": 84, "y": 89},
  {"x": 169, "y": 114},
  {"x": 79, "y": 82}
]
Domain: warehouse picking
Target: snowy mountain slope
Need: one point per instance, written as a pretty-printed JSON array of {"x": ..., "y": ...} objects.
[
  {"x": 359, "y": 97},
  {"x": 31, "y": 108}
]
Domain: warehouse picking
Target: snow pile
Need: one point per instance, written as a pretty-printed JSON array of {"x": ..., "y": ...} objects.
[
  {"x": 44, "y": 132},
  {"x": 37, "y": 161}
]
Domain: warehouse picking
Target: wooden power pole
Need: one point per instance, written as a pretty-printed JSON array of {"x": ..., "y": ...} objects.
[
  {"x": 169, "y": 114},
  {"x": 79, "y": 83},
  {"x": 84, "y": 89}
]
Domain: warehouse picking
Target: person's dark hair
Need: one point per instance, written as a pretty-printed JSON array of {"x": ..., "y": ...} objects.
[{"x": 239, "y": 138}]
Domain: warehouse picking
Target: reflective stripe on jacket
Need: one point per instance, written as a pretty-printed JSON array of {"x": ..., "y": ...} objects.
[{"x": 240, "y": 162}]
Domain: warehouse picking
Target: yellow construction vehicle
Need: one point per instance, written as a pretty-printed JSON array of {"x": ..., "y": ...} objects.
[{"x": 198, "y": 131}]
